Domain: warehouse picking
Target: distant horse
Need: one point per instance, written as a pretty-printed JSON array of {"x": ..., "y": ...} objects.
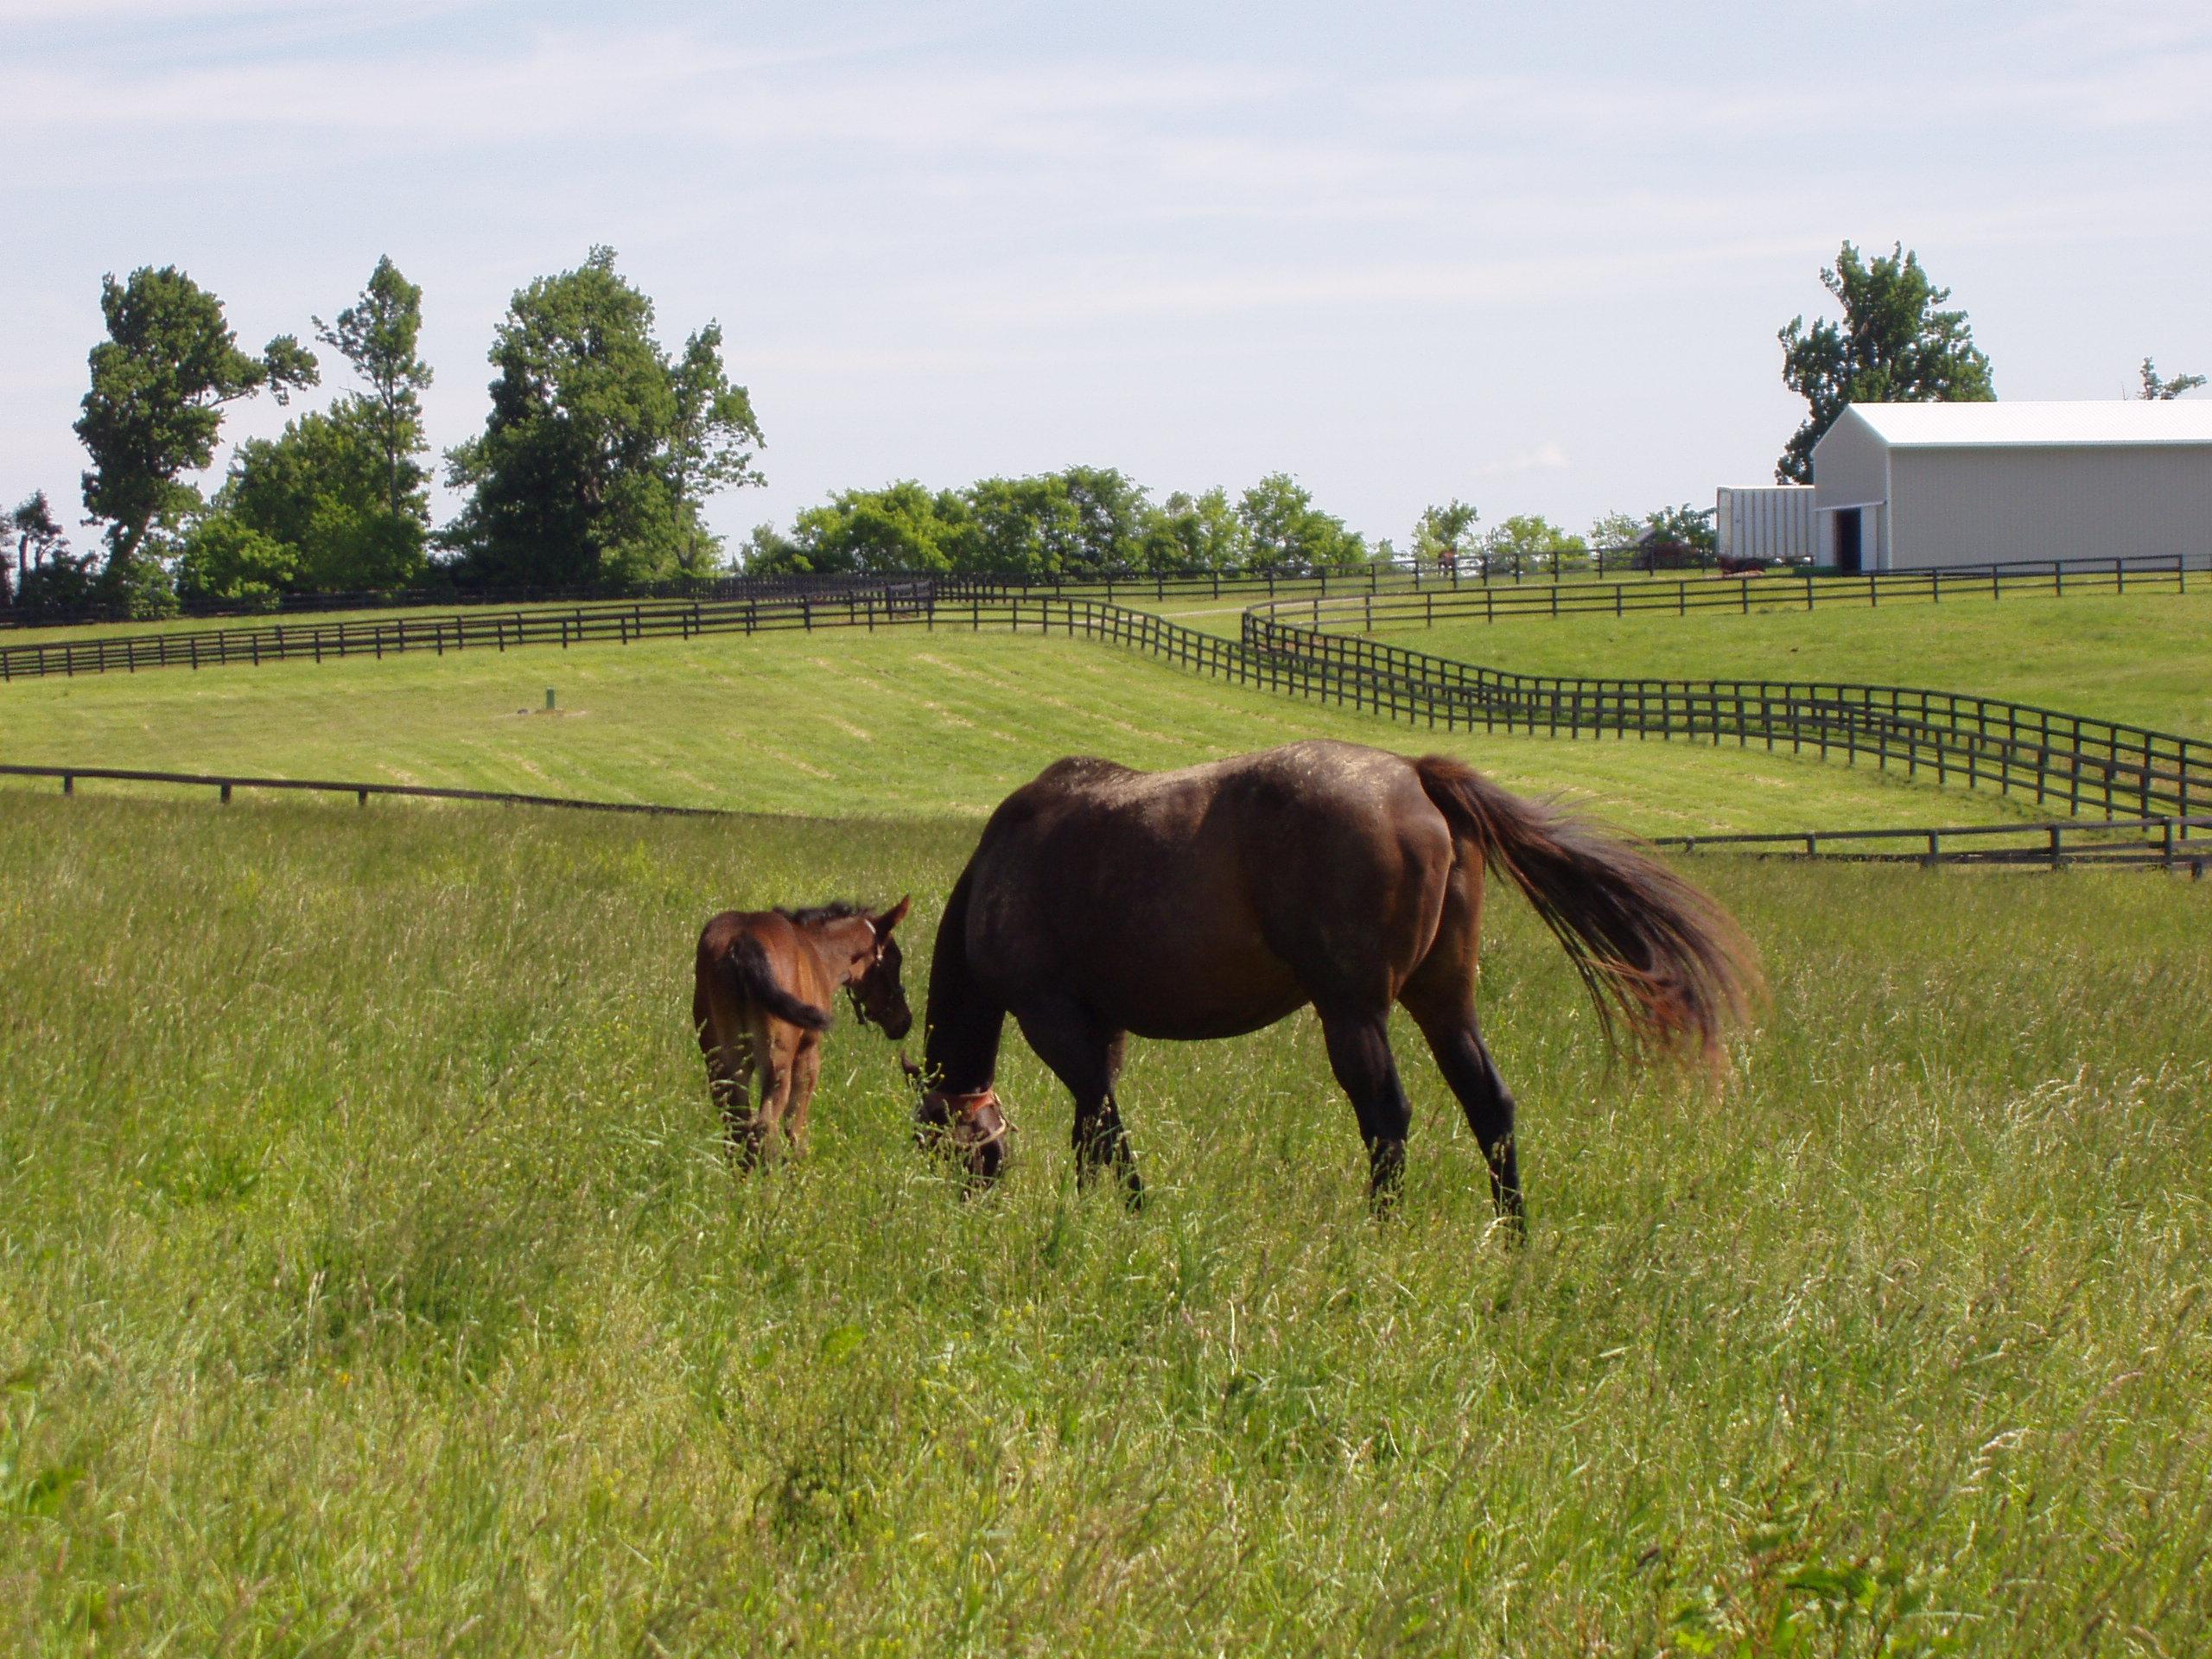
[
  {"x": 1218, "y": 899},
  {"x": 761, "y": 986}
]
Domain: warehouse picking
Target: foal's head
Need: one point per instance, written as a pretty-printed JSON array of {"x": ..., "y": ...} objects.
[{"x": 878, "y": 997}]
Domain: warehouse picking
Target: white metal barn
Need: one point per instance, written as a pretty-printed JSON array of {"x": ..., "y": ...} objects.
[
  {"x": 1766, "y": 521},
  {"x": 1899, "y": 486}
]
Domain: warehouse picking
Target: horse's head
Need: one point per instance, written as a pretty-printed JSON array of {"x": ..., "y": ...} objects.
[
  {"x": 970, "y": 1128},
  {"x": 878, "y": 999}
]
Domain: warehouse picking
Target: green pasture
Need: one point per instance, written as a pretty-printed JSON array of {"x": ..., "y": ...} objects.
[
  {"x": 2141, "y": 659},
  {"x": 843, "y": 722},
  {"x": 370, "y": 1283}
]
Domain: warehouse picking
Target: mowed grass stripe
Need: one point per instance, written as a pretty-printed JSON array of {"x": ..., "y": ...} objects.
[{"x": 843, "y": 723}]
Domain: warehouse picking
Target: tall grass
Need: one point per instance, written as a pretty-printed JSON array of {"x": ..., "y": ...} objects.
[{"x": 371, "y": 1281}]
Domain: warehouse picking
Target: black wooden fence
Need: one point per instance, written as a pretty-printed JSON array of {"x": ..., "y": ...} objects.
[
  {"x": 2162, "y": 842},
  {"x": 2082, "y": 764}
]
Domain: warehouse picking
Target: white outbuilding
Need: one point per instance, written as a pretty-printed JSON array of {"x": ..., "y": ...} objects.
[
  {"x": 1773, "y": 521},
  {"x": 1904, "y": 486}
]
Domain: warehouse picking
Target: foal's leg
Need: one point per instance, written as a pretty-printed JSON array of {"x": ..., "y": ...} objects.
[
  {"x": 1087, "y": 1059},
  {"x": 1456, "y": 1040},
  {"x": 727, "y": 1050},
  {"x": 774, "y": 1053},
  {"x": 806, "y": 1071},
  {"x": 1359, "y": 1054}
]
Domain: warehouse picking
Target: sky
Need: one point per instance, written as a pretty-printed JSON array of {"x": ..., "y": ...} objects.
[{"x": 1534, "y": 258}]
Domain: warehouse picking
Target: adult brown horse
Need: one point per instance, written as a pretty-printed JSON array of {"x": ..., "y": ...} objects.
[
  {"x": 762, "y": 983},
  {"x": 1218, "y": 899}
]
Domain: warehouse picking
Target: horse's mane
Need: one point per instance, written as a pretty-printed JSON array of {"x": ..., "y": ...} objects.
[{"x": 815, "y": 915}]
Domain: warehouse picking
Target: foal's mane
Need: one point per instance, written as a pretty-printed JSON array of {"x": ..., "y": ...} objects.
[{"x": 816, "y": 915}]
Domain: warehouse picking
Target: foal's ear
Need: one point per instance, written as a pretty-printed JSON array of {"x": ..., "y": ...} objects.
[{"x": 892, "y": 917}]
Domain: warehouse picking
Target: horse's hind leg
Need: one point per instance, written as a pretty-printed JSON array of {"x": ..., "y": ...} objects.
[
  {"x": 1359, "y": 1054},
  {"x": 1087, "y": 1059},
  {"x": 1456, "y": 1040}
]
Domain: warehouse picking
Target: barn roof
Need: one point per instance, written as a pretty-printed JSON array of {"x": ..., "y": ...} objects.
[{"x": 2115, "y": 420}]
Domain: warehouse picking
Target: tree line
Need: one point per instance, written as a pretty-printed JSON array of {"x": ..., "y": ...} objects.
[
  {"x": 602, "y": 448},
  {"x": 1096, "y": 521},
  {"x": 599, "y": 454},
  {"x": 595, "y": 463}
]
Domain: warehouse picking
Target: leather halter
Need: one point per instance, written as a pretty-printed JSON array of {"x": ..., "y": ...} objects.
[
  {"x": 966, "y": 1108},
  {"x": 874, "y": 957}
]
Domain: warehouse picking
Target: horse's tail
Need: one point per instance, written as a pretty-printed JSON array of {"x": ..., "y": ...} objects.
[
  {"x": 746, "y": 966},
  {"x": 1656, "y": 955}
]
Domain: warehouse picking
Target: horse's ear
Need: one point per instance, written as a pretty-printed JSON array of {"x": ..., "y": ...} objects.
[{"x": 896, "y": 914}]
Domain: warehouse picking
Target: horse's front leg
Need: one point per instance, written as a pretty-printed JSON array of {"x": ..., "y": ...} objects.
[
  {"x": 806, "y": 1072},
  {"x": 1085, "y": 1057}
]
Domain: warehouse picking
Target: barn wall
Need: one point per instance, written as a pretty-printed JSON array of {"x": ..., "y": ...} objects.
[
  {"x": 1769, "y": 521},
  {"x": 1850, "y": 466},
  {"x": 1984, "y": 506}
]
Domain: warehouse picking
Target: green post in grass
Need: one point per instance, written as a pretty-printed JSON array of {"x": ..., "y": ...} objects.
[{"x": 549, "y": 699}]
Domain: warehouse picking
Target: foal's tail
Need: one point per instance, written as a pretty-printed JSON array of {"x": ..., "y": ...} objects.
[
  {"x": 1656, "y": 955},
  {"x": 748, "y": 968}
]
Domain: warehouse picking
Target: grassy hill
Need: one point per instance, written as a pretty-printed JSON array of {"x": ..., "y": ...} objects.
[
  {"x": 843, "y": 723},
  {"x": 2143, "y": 658},
  {"x": 369, "y": 1280}
]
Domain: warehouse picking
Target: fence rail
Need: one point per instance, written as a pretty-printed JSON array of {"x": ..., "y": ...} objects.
[
  {"x": 2083, "y": 765},
  {"x": 2166, "y": 843},
  {"x": 1471, "y": 570},
  {"x": 226, "y": 784}
]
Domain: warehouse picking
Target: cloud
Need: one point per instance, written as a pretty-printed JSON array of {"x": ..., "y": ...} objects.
[{"x": 1546, "y": 457}]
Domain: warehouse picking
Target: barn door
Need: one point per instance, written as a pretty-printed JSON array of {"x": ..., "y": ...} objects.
[{"x": 1847, "y": 556}]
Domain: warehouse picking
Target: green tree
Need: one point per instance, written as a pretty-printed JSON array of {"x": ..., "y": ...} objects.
[
  {"x": 768, "y": 552},
  {"x": 1022, "y": 526},
  {"x": 159, "y": 383},
  {"x": 1894, "y": 345},
  {"x": 1194, "y": 533},
  {"x": 598, "y": 450},
  {"x": 1110, "y": 515},
  {"x": 712, "y": 442},
  {"x": 1692, "y": 526},
  {"x": 1528, "y": 542},
  {"x": 377, "y": 335},
  {"x": 1445, "y": 532},
  {"x": 1612, "y": 530},
  {"x": 222, "y": 558},
  {"x": 1287, "y": 533},
  {"x": 39, "y": 543},
  {"x": 322, "y": 491},
  {"x": 900, "y": 528},
  {"x": 2156, "y": 389}
]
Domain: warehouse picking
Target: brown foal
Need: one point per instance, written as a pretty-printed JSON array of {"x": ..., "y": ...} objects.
[{"x": 760, "y": 1002}]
